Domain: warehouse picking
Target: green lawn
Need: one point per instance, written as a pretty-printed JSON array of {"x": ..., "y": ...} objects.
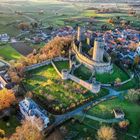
[
  {"x": 107, "y": 77},
  {"x": 62, "y": 65},
  {"x": 131, "y": 84},
  {"x": 83, "y": 72},
  {"x": 13, "y": 124},
  {"x": 9, "y": 53},
  {"x": 131, "y": 110}
]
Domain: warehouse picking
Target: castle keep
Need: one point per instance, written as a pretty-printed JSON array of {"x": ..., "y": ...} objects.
[{"x": 96, "y": 63}]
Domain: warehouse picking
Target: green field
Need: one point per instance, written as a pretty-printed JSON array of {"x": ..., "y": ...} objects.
[
  {"x": 131, "y": 110},
  {"x": 108, "y": 78},
  {"x": 88, "y": 128},
  {"x": 55, "y": 14},
  {"x": 9, "y": 53}
]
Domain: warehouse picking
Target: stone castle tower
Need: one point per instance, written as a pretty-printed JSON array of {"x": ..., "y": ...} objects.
[
  {"x": 98, "y": 50},
  {"x": 79, "y": 34}
]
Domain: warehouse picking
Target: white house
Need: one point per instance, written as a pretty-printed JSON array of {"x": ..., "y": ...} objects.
[
  {"x": 138, "y": 50},
  {"x": 4, "y": 37},
  {"x": 29, "y": 110}
]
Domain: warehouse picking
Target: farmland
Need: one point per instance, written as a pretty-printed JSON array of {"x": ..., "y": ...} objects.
[
  {"x": 55, "y": 14},
  {"x": 9, "y": 53}
]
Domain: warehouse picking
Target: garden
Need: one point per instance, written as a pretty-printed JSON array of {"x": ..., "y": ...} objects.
[{"x": 55, "y": 94}]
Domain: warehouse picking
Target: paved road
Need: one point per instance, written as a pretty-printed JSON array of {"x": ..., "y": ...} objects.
[{"x": 62, "y": 118}]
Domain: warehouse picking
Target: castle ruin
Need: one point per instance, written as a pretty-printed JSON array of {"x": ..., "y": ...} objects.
[{"x": 96, "y": 63}]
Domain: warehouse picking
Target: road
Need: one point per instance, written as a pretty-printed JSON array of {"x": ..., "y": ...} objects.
[{"x": 59, "y": 119}]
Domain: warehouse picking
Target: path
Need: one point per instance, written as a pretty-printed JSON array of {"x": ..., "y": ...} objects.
[
  {"x": 114, "y": 120},
  {"x": 59, "y": 119}
]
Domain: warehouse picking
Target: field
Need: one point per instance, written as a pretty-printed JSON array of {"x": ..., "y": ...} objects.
[
  {"x": 45, "y": 83},
  {"x": 9, "y": 53},
  {"x": 55, "y": 14},
  {"x": 23, "y": 48},
  {"x": 87, "y": 128},
  {"x": 131, "y": 110}
]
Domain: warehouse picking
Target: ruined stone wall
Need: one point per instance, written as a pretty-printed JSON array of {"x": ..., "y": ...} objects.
[
  {"x": 89, "y": 86},
  {"x": 59, "y": 73},
  {"x": 47, "y": 62},
  {"x": 97, "y": 66}
]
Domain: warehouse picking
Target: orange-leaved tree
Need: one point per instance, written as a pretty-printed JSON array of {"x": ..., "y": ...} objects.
[
  {"x": 28, "y": 131},
  {"x": 106, "y": 133},
  {"x": 7, "y": 97}
]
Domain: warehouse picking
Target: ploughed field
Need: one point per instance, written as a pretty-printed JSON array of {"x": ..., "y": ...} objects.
[{"x": 54, "y": 94}]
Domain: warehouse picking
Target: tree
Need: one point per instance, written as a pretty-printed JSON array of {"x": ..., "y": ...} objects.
[
  {"x": 23, "y": 26},
  {"x": 29, "y": 94},
  {"x": 14, "y": 76},
  {"x": 118, "y": 80},
  {"x": 7, "y": 97},
  {"x": 124, "y": 124},
  {"x": 133, "y": 95},
  {"x": 28, "y": 131},
  {"x": 111, "y": 21},
  {"x": 106, "y": 133},
  {"x": 136, "y": 60},
  {"x": 2, "y": 133}
]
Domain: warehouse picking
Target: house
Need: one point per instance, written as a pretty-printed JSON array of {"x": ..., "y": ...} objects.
[
  {"x": 4, "y": 37},
  {"x": 119, "y": 114},
  {"x": 3, "y": 83},
  {"x": 29, "y": 110},
  {"x": 3, "y": 67},
  {"x": 138, "y": 50}
]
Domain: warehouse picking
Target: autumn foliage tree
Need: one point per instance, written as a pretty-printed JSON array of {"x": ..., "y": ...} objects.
[
  {"x": 28, "y": 131},
  {"x": 23, "y": 26},
  {"x": 14, "y": 76},
  {"x": 136, "y": 60},
  {"x": 124, "y": 124},
  {"x": 133, "y": 95},
  {"x": 106, "y": 133},
  {"x": 59, "y": 46},
  {"x": 111, "y": 21},
  {"x": 7, "y": 97}
]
